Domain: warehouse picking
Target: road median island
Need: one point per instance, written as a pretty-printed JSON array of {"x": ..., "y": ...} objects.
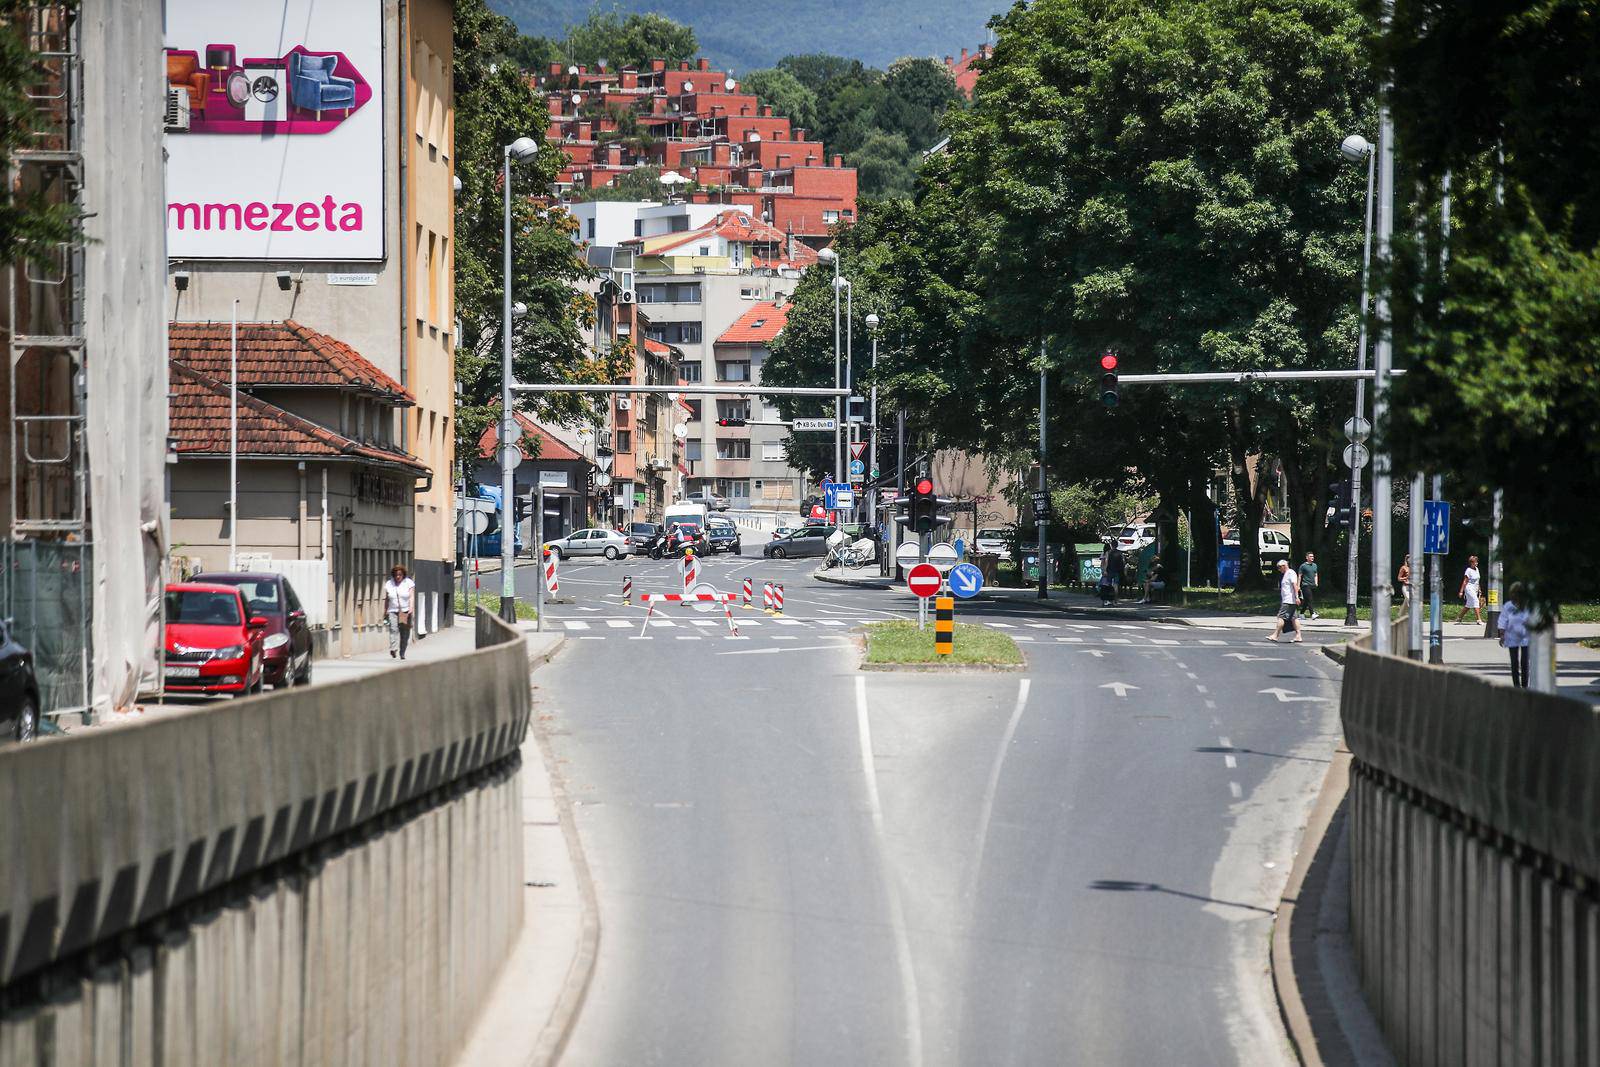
[{"x": 901, "y": 646}]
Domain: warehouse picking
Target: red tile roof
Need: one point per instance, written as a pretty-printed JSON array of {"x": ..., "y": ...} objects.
[
  {"x": 550, "y": 447},
  {"x": 198, "y": 417},
  {"x": 758, "y": 326},
  {"x": 280, "y": 354},
  {"x": 739, "y": 227}
]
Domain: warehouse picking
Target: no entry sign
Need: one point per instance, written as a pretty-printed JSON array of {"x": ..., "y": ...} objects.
[{"x": 923, "y": 579}]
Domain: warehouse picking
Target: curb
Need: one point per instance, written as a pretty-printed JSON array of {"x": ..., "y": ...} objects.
[
  {"x": 563, "y": 1018},
  {"x": 1337, "y": 653},
  {"x": 853, "y": 583}
]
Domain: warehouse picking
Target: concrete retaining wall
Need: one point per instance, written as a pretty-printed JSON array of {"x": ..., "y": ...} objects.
[
  {"x": 1475, "y": 848},
  {"x": 326, "y": 875}
]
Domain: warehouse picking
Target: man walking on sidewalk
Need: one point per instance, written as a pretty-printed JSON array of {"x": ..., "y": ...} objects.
[
  {"x": 1308, "y": 585},
  {"x": 1288, "y": 598}
]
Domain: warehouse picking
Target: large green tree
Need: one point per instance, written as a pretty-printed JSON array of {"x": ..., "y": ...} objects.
[
  {"x": 628, "y": 39},
  {"x": 787, "y": 94},
  {"x": 495, "y": 104},
  {"x": 1503, "y": 339},
  {"x": 33, "y": 220}
]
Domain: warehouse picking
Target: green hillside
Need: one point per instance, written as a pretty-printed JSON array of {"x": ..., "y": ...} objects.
[{"x": 748, "y": 34}]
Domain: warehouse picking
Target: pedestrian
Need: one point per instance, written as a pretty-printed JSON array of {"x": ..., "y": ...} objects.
[
  {"x": 1113, "y": 572},
  {"x": 1288, "y": 599},
  {"x": 1404, "y": 578},
  {"x": 398, "y": 594},
  {"x": 1469, "y": 592},
  {"x": 1308, "y": 585},
  {"x": 1514, "y": 634},
  {"x": 1154, "y": 582}
]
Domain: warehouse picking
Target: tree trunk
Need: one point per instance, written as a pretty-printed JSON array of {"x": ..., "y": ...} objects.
[
  {"x": 1250, "y": 507},
  {"x": 1203, "y": 534}
]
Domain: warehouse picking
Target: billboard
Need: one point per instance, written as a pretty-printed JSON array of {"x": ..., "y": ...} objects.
[{"x": 282, "y": 154}]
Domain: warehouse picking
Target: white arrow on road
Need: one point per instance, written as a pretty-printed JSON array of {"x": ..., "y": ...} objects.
[
  {"x": 1095, "y": 652},
  {"x": 1245, "y": 657},
  {"x": 1286, "y": 696},
  {"x": 1121, "y": 688}
]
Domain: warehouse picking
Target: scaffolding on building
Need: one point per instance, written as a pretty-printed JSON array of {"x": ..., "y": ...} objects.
[{"x": 45, "y": 586}]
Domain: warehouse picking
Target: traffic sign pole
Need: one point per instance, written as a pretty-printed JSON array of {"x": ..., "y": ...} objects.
[{"x": 1435, "y": 577}]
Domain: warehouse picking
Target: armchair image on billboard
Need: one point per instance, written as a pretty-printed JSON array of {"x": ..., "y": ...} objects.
[{"x": 300, "y": 92}]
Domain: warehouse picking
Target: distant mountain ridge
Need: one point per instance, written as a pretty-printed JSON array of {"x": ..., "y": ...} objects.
[{"x": 749, "y": 34}]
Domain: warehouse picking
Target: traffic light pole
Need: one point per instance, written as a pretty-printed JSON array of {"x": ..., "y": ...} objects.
[{"x": 1044, "y": 528}]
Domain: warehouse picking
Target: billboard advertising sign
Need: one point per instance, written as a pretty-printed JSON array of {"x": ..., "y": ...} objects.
[{"x": 283, "y": 156}]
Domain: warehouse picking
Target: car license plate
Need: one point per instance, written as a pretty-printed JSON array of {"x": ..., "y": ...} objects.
[{"x": 183, "y": 672}]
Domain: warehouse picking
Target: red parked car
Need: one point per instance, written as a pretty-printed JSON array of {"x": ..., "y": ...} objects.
[
  {"x": 286, "y": 642},
  {"x": 213, "y": 644}
]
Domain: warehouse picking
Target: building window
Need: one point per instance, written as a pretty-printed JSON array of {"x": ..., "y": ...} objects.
[
  {"x": 689, "y": 372},
  {"x": 693, "y": 451},
  {"x": 772, "y": 451},
  {"x": 749, "y": 293},
  {"x": 728, "y": 371},
  {"x": 705, "y": 250},
  {"x": 669, "y": 293},
  {"x": 589, "y": 228},
  {"x": 733, "y": 448},
  {"x": 624, "y": 440},
  {"x": 733, "y": 409},
  {"x": 638, "y": 227},
  {"x": 677, "y": 224},
  {"x": 695, "y": 409},
  {"x": 830, "y": 216},
  {"x": 674, "y": 333}
]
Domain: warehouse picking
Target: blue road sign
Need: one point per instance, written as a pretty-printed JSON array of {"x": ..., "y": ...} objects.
[
  {"x": 830, "y": 494},
  {"x": 857, "y": 467},
  {"x": 965, "y": 580},
  {"x": 1436, "y": 527}
]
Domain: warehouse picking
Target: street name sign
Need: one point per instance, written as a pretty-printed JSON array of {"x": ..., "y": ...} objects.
[
  {"x": 965, "y": 580},
  {"x": 923, "y": 580},
  {"x": 1436, "y": 527},
  {"x": 812, "y": 424}
]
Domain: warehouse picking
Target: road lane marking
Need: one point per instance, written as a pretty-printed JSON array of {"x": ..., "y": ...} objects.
[
  {"x": 689, "y": 637},
  {"x": 1204, "y": 642},
  {"x": 897, "y": 918},
  {"x": 1118, "y": 641},
  {"x": 619, "y": 624},
  {"x": 1069, "y": 640},
  {"x": 665, "y": 624},
  {"x": 1201, "y": 689},
  {"x": 986, "y": 809},
  {"x": 1040, "y": 626},
  {"x": 1190, "y": 675},
  {"x": 1161, "y": 641},
  {"x": 1022, "y": 637},
  {"x": 576, "y": 624},
  {"x": 1229, "y": 761},
  {"x": 788, "y": 622},
  {"x": 1233, "y": 787},
  {"x": 1001, "y": 625}
]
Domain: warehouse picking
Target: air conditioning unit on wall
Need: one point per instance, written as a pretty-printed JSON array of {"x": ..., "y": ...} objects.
[
  {"x": 626, "y": 296},
  {"x": 176, "y": 116},
  {"x": 624, "y": 404}
]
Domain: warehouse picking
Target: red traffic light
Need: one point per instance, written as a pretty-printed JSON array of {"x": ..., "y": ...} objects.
[
  {"x": 924, "y": 486},
  {"x": 1109, "y": 361}
]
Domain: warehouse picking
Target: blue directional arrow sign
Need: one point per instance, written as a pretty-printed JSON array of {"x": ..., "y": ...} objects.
[
  {"x": 857, "y": 467},
  {"x": 965, "y": 580},
  {"x": 830, "y": 494},
  {"x": 1436, "y": 527}
]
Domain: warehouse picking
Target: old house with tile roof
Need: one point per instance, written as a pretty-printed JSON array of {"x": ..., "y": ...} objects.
[{"x": 322, "y": 473}]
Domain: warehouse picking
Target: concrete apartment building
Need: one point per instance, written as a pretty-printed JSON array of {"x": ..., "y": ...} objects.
[{"x": 314, "y": 188}]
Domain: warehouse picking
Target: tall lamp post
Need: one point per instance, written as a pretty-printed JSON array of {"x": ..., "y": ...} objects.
[
  {"x": 828, "y": 256},
  {"x": 872, "y": 421},
  {"x": 849, "y": 369},
  {"x": 1382, "y": 362},
  {"x": 522, "y": 149},
  {"x": 1356, "y": 148}
]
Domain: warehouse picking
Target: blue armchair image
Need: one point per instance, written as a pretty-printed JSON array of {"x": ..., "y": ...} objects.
[{"x": 313, "y": 87}]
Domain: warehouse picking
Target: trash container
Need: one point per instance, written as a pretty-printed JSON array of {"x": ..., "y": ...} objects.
[
  {"x": 1088, "y": 563},
  {"x": 1228, "y": 567}
]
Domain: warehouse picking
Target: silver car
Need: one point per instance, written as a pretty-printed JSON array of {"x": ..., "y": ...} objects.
[{"x": 607, "y": 543}]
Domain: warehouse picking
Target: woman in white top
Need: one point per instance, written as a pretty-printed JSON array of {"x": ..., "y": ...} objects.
[
  {"x": 398, "y": 594},
  {"x": 1470, "y": 600},
  {"x": 1514, "y": 634}
]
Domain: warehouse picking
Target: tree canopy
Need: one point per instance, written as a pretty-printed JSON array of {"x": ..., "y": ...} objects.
[{"x": 628, "y": 40}]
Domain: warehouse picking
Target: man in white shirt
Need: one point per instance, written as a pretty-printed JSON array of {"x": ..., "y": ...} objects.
[
  {"x": 399, "y": 592},
  {"x": 1288, "y": 600}
]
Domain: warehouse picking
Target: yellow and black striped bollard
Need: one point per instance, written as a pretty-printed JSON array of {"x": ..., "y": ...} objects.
[{"x": 944, "y": 625}]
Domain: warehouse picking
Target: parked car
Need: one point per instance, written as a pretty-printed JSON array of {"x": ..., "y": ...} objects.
[
  {"x": 19, "y": 689},
  {"x": 993, "y": 540},
  {"x": 808, "y": 541},
  {"x": 213, "y": 643},
  {"x": 724, "y": 537},
  {"x": 785, "y": 531},
  {"x": 594, "y": 542},
  {"x": 640, "y": 534},
  {"x": 1271, "y": 546},
  {"x": 286, "y": 643},
  {"x": 685, "y": 535},
  {"x": 1136, "y": 536},
  {"x": 710, "y": 500}
]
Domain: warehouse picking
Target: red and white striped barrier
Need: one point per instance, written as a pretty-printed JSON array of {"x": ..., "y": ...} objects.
[
  {"x": 627, "y": 590},
  {"x": 749, "y": 589},
  {"x": 691, "y": 570},
  {"x": 766, "y": 597},
  {"x": 552, "y": 585},
  {"x": 650, "y": 600},
  {"x": 777, "y": 600}
]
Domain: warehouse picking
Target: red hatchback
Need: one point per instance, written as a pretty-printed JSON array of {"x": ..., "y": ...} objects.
[{"x": 213, "y": 646}]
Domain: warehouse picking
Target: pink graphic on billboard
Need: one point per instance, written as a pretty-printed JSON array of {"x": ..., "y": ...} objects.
[{"x": 300, "y": 92}]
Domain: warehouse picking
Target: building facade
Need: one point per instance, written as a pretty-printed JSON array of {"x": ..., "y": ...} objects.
[
  {"x": 340, "y": 218},
  {"x": 750, "y": 462}
]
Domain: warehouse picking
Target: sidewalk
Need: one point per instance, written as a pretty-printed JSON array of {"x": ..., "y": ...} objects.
[{"x": 1577, "y": 668}]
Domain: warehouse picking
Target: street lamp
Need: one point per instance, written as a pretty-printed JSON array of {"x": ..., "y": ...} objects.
[
  {"x": 521, "y": 150},
  {"x": 1356, "y": 148},
  {"x": 843, "y": 284},
  {"x": 826, "y": 257},
  {"x": 872, "y": 421}
]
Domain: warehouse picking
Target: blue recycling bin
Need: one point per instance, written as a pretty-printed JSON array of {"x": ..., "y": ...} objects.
[{"x": 1228, "y": 567}]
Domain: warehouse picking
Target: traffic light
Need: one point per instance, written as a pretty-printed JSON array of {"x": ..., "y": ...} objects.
[
  {"x": 730, "y": 422},
  {"x": 1340, "y": 504},
  {"x": 924, "y": 506},
  {"x": 521, "y": 507},
  {"x": 1110, "y": 391},
  {"x": 856, "y": 409}
]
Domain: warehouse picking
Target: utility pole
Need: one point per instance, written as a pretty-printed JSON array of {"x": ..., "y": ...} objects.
[
  {"x": 1382, "y": 362},
  {"x": 1353, "y": 561},
  {"x": 1044, "y": 529},
  {"x": 1413, "y": 590},
  {"x": 1493, "y": 572}
]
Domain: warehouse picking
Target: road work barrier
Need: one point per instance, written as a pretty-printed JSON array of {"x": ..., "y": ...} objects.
[
  {"x": 690, "y": 569},
  {"x": 552, "y": 584},
  {"x": 650, "y": 600},
  {"x": 749, "y": 590},
  {"x": 766, "y": 597},
  {"x": 1473, "y": 816},
  {"x": 944, "y": 625},
  {"x": 627, "y": 591},
  {"x": 322, "y": 875}
]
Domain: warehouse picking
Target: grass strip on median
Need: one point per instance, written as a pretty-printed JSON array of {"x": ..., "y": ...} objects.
[
  {"x": 901, "y": 642},
  {"x": 491, "y": 601}
]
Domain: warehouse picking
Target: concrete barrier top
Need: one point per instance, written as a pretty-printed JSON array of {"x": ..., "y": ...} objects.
[
  {"x": 109, "y": 829},
  {"x": 1520, "y": 762}
]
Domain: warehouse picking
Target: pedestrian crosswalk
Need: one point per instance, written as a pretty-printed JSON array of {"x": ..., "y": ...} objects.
[{"x": 714, "y": 625}]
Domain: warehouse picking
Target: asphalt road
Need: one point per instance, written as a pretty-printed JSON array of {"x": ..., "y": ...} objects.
[{"x": 798, "y": 862}]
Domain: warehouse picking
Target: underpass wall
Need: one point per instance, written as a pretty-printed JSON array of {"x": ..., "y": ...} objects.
[
  {"x": 326, "y": 875},
  {"x": 1474, "y": 821}
]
